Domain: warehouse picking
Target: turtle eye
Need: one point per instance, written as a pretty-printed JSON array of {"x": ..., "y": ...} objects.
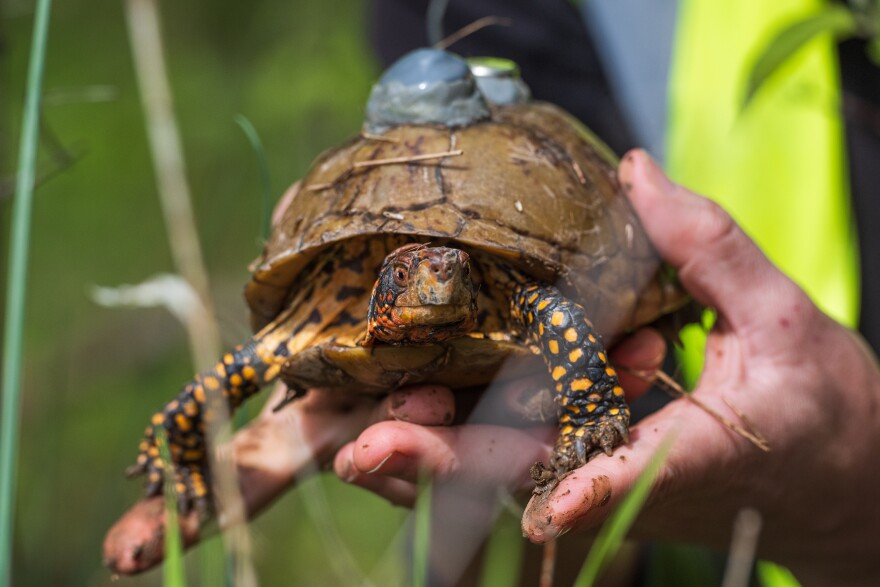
[{"x": 400, "y": 275}]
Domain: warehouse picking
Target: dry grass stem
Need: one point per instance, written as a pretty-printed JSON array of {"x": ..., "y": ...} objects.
[
  {"x": 673, "y": 388},
  {"x": 406, "y": 159},
  {"x": 548, "y": 564},
  {"x": 471, "y": 29},
  {"x": 358, "y": 165},
  {"x": 174, "y": 194},
  {"x": 579, "y": 173}
]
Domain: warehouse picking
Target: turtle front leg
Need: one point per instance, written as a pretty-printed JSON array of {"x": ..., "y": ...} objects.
[
  {"x": 238, "y": 375},
  {"x": 593, "y": 415}
]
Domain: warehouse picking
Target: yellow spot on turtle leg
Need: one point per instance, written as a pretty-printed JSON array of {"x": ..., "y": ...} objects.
[
  {"x": 228, "y": 358},
  {"x": 157, "y": 419},
  {"x": 618, "y": 391},
  {"x": 571, "y": 335},
  {"x": 553, "y": 346},
  {"x": 543, "y": 304},
  {"x": 581, "y": 384},
  {"x": 558, "y": 372},
  {"x": 574, "y": 355},
  {"x": 235, "y": 380},
  {"x": 602, "y": 357},
  {"x": 533, "y": 297},
  {"x": 199, "y": 394},
  {"x": 610, "y": 372},
  {"x": 248, "y": 372},
  {"x": 557, "y": 318},
  {"x": 184, "y": 424}
]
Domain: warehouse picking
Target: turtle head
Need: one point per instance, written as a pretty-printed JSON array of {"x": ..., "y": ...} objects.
[{"x": 423, "y": 295}]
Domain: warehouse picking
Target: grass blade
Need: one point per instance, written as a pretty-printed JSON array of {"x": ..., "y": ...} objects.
[
  {"x": 257, "y": 145},
  {"x": 835, "y": 19},
  {"x": 614, "y": 530},
  {"x": 173, "y": 573},
  {"x": 422, "y": 535},
  {"x": 13, "y": 335}
]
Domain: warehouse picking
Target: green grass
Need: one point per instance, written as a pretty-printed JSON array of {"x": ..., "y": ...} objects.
[
  {"x": 613, "y": 532},
  {"x": 16, "y": 286}
]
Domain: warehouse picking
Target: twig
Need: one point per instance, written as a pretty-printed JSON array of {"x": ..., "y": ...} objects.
[
  {"x": 548, "y": 564},
  {"x": 578, "y": 172},
  {"x": 406, "y": 159},
  {"x": 317, "y": 187},
  {"x": 471, "y": 29},
  {"x": 741, "y": 558},
  {"x": 672, "y": 387}
]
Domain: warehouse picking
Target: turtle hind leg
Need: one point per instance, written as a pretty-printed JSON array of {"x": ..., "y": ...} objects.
[
  {"x": 593, "y": 415},
  {"x": 239, "y": 374}
]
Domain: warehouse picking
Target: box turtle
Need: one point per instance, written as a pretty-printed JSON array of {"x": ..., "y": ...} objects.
[{"x": 464, "y": 227}]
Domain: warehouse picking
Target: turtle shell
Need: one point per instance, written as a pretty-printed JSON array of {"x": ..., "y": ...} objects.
[{"x": 529, "y": 184}]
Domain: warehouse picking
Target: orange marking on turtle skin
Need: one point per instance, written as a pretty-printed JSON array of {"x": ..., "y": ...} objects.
[
  {"x": 235, "y": 380},
  {"x": 153, "y": 451},
  {"x": 183, "y": 423},
  {"x": 591, "y": 338},
  {"x": 581, "y": 384},
  {"x": 602, "y": 357},
  {"x": 571, "y": 335},
  {"x": 210, "y": 383},
  {"x": 618, "y": 391},
  {"x": 553, "y": 346},
  {"x": 591, "y": 408},
  {"x": 271, "y": 373},
  {"x": 541, "y": 328},
  {"x": 543, "y": 304},
  {"x": 574, "y": 355},
  {"x": 533, "y": 297},
  {"x": 248, "y": 372},
  {"x": 193, "y": 456},
  {"x": 558, "y": 372},
  {"x": 199, "y": 394},
  {"x": 158, "y": 418},
  {"x": 557, "y": 318},
  {"x": 228, "y": 358},
  {"x": 610, "y": 372}
]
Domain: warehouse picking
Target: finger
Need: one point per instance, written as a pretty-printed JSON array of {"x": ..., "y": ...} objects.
[
  {"x": 489, "y": 454},
  {"x": 638, "y": 358},
  {"x": 715, "y": 259},
  {"x": 586, "y": 497},
  {"x": 428, "y": 405},
  {"x": 270, "y": 454},
  {"x": 396, "y": 491}
]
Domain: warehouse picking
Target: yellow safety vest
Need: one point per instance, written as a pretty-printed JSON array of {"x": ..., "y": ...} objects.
[{"x": 779, "y": 167}]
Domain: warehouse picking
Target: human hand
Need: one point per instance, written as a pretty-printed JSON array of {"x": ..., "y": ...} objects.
[
  {"x": 810, "y": 386},
  {"x": 271, "y": 454}
]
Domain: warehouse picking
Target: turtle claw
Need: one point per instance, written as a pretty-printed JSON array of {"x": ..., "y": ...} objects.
[{"x": 575, "y": 449}]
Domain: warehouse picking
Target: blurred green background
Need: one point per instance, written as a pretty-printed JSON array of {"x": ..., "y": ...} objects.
[{"x": 300, "y": 71}]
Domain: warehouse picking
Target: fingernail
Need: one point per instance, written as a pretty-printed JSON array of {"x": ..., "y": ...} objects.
[
  {"x": 350, "y": 473},
  {"x": 654, "y": 173}
]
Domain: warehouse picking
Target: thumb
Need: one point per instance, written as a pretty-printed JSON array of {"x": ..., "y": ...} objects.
[{"x": 716, "y": 261}]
